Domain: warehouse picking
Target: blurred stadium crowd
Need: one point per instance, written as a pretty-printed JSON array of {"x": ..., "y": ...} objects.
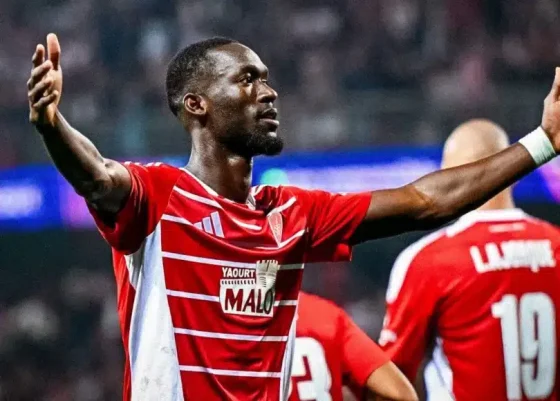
[
  {"x": 350, "y": 72},
  {"x": 62, "y": 342}
]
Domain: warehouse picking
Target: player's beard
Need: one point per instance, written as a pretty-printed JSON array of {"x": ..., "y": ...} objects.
[{"x": 259, "y": 141}]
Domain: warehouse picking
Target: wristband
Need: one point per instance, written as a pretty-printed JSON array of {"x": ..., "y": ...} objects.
[{"x": 539, "y": 146}]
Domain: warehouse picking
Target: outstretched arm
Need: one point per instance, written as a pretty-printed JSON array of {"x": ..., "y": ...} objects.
[
  {"x": 367, "y": 368},
  {"x": 442, "y": 196},
  {"x": 102, "y": 182}
]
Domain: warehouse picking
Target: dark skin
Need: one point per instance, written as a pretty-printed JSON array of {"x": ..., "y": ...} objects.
[{"x": 227, "y": 132}]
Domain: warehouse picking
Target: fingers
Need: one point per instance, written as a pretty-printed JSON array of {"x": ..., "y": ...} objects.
[
  {"x": 54, "y": 50},
  {"x": 39, "y": 56},
  {"x": 555, "y": 90},
  {"x": 38, "y": 73},
  {"x": 45, "y": 101},
  {"x": 39, "y": 90}
]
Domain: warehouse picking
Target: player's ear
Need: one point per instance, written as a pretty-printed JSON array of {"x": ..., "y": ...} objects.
[{"x": 195, "y": 104}]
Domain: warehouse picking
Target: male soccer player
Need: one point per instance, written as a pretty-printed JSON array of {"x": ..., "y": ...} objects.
[
  {"x": 209, "y": 268},
  {"x": 486, "y": 290},
  {"x": 332, "y": 351}
]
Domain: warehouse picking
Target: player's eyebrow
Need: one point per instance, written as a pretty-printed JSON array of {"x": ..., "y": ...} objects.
[{"x": 254, "y": 69}]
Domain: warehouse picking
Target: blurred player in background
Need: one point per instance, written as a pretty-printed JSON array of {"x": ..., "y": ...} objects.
[
  {"x": 209, "y": 268},
  {"x": 486, "y": 290},
  {"x": 332, "y": 351}
]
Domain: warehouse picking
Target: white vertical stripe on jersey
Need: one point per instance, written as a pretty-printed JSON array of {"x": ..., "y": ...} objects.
[
  {"x": 152, "y": 350},
  {"x": 287, "y": 361},
  {"x": 207, "y": 224},
  {"x": 217, "y": 224}
]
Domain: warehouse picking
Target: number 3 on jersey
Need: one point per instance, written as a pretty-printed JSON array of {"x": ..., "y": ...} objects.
[
  {"x": 529, "y": 344},
  {"x": 318, "y": 385}
]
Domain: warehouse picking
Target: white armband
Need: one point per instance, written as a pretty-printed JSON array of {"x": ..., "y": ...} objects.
[{"x": 539, "y": 146}]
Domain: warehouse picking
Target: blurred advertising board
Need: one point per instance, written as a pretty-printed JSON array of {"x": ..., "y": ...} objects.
[
  {"x": 29, "y": 199},
  {"x": 37, "y": 197}
]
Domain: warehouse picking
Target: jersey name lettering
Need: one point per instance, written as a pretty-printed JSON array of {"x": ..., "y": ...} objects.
[{"x": 531, "y": 254}]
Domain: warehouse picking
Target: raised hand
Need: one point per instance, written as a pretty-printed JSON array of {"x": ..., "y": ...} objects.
[
  {"x": 44, "y": 86},
  {"x": 551, "y": 113}
]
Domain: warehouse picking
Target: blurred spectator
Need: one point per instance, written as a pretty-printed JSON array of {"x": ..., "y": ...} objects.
[{"x": 426, "y": 63}]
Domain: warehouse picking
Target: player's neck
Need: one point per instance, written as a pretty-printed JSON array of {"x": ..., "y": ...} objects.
[
  {"x": 229, "y": 175},
  {"x": 501, "y": 201}
]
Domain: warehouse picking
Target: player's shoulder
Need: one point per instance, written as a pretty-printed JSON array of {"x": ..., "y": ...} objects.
[
  {"x": 429, "y": 244},
  {"x": 317, "y": 305},
  {"x": 279, "y": 190},
  {"x": 299, "y": 195},
  {"x": 478, "y": 223},
  {"x": 279, "y": 195},
  {"x": 410, "y": 260},
  {"x": 157, "y": 170},
  {"x": 543, "y": 225},
  {"x": 318, "y": 318}
]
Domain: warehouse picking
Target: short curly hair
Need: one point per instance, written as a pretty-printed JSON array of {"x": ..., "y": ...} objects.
[{"x": 185, "y": 70}]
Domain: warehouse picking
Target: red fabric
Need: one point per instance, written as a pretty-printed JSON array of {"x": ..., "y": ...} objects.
[
  {"x": 333, "y": 351},
  {"x": 150, "y": 192},
  {"x": 445, "y": 295},
  {"x": 209, "y": 248},
  {"x": 333, "y": 218}
]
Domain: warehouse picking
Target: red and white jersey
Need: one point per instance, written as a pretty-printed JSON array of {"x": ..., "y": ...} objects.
[
  {"x": 208, "y": 288},
  {"x": 487, "y": 291},
  {"x": 331, "y": 351}
]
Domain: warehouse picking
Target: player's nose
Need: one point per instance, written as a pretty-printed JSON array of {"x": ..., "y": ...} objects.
[{"x": 267, "y": 94}]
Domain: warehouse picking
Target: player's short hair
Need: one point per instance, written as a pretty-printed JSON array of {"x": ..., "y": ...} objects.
[{"x": 186, "y": 69}]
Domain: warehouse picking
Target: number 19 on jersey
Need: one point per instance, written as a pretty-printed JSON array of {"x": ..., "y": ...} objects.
[{"x": 529, "y": 343}]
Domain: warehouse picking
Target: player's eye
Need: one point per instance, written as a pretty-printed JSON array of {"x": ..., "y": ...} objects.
[{"x": 248, "y": 79}]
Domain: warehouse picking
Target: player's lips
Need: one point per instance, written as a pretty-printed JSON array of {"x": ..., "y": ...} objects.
[{"x": 269, "y": 116}]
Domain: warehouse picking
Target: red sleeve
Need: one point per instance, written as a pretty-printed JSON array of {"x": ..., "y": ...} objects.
[
  {"x": 332, "y": 220},
  {"x": 361, "y": 356},
  {"x": 151, "y": 187},
  {"x": 411, "y": 299}
]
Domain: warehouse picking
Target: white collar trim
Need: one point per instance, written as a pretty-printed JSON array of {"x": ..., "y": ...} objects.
[{"x": 477, "y": 216}]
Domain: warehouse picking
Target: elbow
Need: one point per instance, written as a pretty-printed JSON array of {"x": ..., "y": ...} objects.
[
  {"x": 97, "y": 185},
  {"x": 433, "y": 212},
  {"x": 428, "y": 213},
  {"x": 94, "y": 190}
]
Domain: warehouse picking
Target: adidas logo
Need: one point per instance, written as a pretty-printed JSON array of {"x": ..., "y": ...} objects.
[{"x": 211, "y": 225}]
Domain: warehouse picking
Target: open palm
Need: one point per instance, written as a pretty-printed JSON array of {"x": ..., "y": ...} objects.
[{"x": 45, "y": 83}]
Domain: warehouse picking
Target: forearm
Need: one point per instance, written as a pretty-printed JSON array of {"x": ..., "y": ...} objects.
[
  {"x": 75, "y": 156},
  {"x": 388, "y": 384},
  {"x": 447, "y": 194}
]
